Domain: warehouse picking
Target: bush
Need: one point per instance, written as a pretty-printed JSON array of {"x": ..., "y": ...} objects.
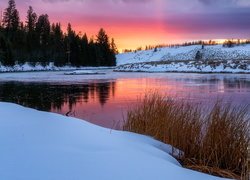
[{"x": 214, "y": 140}]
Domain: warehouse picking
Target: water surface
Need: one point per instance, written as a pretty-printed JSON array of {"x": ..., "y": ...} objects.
[{"x": 104, "y": 100}]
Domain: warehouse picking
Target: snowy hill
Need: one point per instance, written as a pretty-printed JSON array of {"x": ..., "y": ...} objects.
[
  {"x": 40, "y": 145},
  {"x": 214, "y": 58},
  {"x": 215, "y": 52}
]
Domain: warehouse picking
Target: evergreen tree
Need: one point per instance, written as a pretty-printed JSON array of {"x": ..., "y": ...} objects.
[
  {"x": 85, "y": 51},
  {"x": 69, "y": 39},
  {"x": 31, "y": 20},
  {"x": 102, "y": 37},
  {"x": 105, "y": 53},
  {"x": 57, "y": 44},
  {"x": 113, "y": 46},
  {"x": 102, "y": 47},
  {"x": 32, "y": 39},
  {"x": 11, "y": 18},
  {"x": 43, "y": 34},
  {"x": 43, "y": 29}
]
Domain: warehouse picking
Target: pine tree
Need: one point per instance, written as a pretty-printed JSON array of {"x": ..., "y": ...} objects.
[
  {"x": 102, "y": 47},
  {"x": 105, "y": 51},
  {"x": 102, "y": 37},
  {"x": 43, "y": 29},
  {"x": 57, "y": 44},
  {"x": 11, "y": 18},
  {"x": 113, "y": 46},
  {"x": 69, "y": 39},
  {"x": 31, "y": 20},
  {"x": 43, "y": 34},
  {"x": 32, "y": 40},
  {"x": 84, "y": 56}
]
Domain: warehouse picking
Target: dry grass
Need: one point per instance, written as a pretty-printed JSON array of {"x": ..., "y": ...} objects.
[{"x": 214, "y": 140}]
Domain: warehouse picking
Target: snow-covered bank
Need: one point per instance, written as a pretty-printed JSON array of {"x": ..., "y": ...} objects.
[
  {"x": 189, "y": 66},
  {"x": 40, "y": 145},
  {"x": 38, "y": 67},
  {"x": 186, "y": 53}
]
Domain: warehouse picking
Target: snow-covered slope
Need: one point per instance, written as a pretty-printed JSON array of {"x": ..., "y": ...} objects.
[
  {"x": 40, "y": 145},
  {"x": 215, "y": 52}
]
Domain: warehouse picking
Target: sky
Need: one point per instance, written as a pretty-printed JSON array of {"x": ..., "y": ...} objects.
[{"x": 135, "y": 23}]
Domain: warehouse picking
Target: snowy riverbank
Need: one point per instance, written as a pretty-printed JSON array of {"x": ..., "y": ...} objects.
[
  {"x": 50, "y": 67},
  {"x": 188, "y": 66},
  {"x": 40, "y": 145}
]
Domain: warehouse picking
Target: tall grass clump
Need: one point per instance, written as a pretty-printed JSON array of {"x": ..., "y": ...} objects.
[{"x": 213, "y": 139}]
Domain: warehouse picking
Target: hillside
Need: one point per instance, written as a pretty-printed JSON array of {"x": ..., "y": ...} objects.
[
  {"x": 214, "y": 58},
  {"x": 216, "y": 52}
]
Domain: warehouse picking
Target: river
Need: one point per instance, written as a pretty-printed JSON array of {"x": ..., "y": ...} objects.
[{"x": 104, "y": 99}]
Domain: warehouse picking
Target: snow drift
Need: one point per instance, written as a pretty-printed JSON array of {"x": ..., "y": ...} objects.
[{"x": 40, "y": 145}]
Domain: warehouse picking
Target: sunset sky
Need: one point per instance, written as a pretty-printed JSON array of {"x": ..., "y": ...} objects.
[{"x": 135, "y": 23}]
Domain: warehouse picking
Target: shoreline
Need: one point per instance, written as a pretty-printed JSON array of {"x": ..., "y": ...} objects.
[
  {"x": 52, "y": 69},
  {"x": 191, "y": 66},
  {"x": 187, "y": 72}
]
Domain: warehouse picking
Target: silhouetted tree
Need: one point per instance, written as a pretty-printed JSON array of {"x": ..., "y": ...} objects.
[
  {"x": 57, "y": 45},
  {"x": 43, "y": 29},
  {"x": 113, "y": 46},
  {"x": 105, "y": 53},
  {"x": 11, "y": 18},
  {"x": 31, "y": 20},
  {"x": 43, "y": 34}
]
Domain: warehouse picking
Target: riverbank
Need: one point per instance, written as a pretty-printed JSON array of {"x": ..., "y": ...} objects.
[
  {"x": 28, "y": 67},
  {"x": 41, "y": 145},
  {"x": 211, "y": 66}
]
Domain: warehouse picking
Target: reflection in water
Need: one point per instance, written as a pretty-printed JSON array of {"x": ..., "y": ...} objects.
[
  {"x": 48, "y": 96},
  {"x": 105, "y": 102}
]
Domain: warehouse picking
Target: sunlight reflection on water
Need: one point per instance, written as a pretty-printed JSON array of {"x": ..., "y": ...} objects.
[{"x": 104, "y": 102}]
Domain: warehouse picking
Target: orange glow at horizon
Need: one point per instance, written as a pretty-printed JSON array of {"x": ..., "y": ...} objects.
[{"x": 128, "y": 36}]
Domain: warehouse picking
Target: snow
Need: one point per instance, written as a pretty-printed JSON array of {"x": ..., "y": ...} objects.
[
  {"x": 186, "y": 53},
  {"x": 41, "y": 145},
  {"x": 38, "y": 67},
  {"x": 215, "y": 59},
  {"x": 191, "y": 66}
]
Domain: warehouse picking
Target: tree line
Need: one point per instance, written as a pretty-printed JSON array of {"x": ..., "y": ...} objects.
[{"x": 39, "y": 41}]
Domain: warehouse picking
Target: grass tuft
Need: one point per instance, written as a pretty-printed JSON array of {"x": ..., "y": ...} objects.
[{"x": 214, "y": 139}]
